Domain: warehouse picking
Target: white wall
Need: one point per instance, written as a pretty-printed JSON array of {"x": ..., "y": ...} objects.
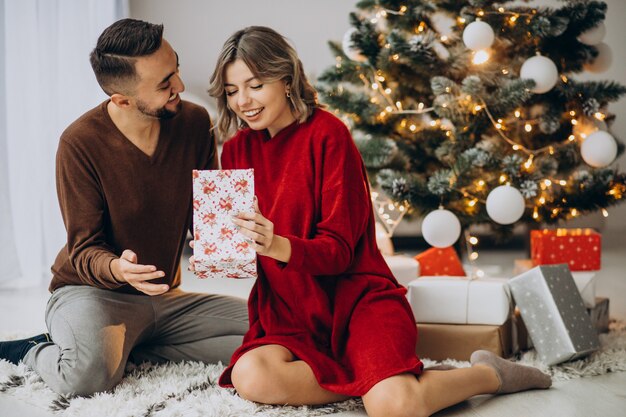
[{"x": 197, "y": 29}]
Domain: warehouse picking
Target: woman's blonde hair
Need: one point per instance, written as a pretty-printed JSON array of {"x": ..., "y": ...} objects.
[{"x": 270, "y": 58}]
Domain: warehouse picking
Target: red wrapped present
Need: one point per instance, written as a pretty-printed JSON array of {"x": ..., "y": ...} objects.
[
  {"x": 440, "y": 261},
  {"x": 578, "y": 248}
]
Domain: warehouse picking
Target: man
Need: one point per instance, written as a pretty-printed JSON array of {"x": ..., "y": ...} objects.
[{"x": 124, "y": 186}]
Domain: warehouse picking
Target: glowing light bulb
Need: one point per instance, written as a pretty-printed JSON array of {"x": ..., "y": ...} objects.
[
  {"x": 480, "y": 57},
  {"x": 528, "y": 162}
]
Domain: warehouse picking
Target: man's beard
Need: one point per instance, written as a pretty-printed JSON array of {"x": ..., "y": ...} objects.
[{"x": 160, "y": 113}]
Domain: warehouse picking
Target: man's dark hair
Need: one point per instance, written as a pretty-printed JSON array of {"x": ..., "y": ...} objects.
[{"x": 113, "y": 58}]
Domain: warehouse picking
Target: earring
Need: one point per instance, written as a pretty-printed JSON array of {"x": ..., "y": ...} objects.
[{"x": 288, "y": 94}]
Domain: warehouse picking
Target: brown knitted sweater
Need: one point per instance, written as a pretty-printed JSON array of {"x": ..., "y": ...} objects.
[{"x": 115, "y": 197}]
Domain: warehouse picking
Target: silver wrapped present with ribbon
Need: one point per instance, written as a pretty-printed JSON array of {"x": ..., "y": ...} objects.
[{"x": 554, "y": 313}]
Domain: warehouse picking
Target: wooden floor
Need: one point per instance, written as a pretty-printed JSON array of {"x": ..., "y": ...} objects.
[{"x": 22, "y": 312}]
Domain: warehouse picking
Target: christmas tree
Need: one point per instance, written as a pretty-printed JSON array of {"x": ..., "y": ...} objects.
[{"x": 473, "y": 107}]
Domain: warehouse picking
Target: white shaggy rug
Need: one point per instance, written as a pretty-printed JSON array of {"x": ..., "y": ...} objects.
[{"x": 189, "y": 389}]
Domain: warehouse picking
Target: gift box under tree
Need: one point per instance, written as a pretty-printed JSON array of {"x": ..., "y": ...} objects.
[
  {"x": 580, "y": 249},
  {"x": 554, "y": 313},
  {"x": 460, "y": 300},
  {"x": 440, "y": 261},
  {"x": 220, "y": 251},
  {"x": 439, "y": 341}
]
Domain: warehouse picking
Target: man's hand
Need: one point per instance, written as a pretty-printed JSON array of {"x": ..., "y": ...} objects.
[{"x": 126, "y": 269}]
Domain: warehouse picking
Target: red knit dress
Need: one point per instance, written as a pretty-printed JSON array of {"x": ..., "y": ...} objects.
[{"x": 335, "y": 304}]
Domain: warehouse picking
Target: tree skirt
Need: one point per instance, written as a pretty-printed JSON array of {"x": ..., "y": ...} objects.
[{"x": 190, "y": 388}]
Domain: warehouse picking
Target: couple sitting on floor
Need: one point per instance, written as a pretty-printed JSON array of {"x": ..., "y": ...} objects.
[{"x": 325, "y": 321}]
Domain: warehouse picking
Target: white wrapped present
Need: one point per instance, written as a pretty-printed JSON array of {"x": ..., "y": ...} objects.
[
  {"x": 220, "y": 250},
  {"x": 404, "y": 268},
  {"x": 460, "y": 300},
  {"x": 554, "y": 313},
  {"x": 586, "y": 284}
]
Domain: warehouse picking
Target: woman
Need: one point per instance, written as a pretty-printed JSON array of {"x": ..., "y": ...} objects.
[{"x": 327, "y": 318}]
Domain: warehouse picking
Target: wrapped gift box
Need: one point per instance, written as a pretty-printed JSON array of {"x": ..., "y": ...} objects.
[
  {"x": 554, "y": 313},
  {"x": 458, "y": 341},
  {"x": 579, "y": 248},
  {"x": 599, "y": 314},
  {"x": 220, "y": 251},
  {"x": 586, "y": 284},
  {"x": 455, "y": 300},
  {"x": 585, "y": 281},
  {"x": 440, "y": 261},
  {"x": 404, "y": 268}
]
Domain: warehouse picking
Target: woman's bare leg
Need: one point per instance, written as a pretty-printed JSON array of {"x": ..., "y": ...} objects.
[
  {"x": 271, "y": 375},
  {"x": 411, "y": 396}
]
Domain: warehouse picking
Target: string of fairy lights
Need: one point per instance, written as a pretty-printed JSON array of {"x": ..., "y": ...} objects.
[{"x": 521, "y": 122}]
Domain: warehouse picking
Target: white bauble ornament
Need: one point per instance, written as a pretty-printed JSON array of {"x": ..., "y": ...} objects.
[
  {"x": 478, "y": 35},
  {"x": 441, "y": 228},
  {"x": 599, "y": 149},
  {"x": 349, "y": 49},
  {"x": 603, "y": 61},
  {"x": 542, "y": 70},
  {"x": 593, "y": 36},
  {"x": 505, "y": 204},
  {"x": 383, "y": 241}
]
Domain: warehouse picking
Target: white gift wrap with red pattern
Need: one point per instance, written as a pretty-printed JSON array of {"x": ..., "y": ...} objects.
[{"x": 220, "y": 250}]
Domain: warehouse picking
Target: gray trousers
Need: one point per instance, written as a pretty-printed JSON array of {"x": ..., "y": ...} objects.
[{"x": 95, "y": 332}]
